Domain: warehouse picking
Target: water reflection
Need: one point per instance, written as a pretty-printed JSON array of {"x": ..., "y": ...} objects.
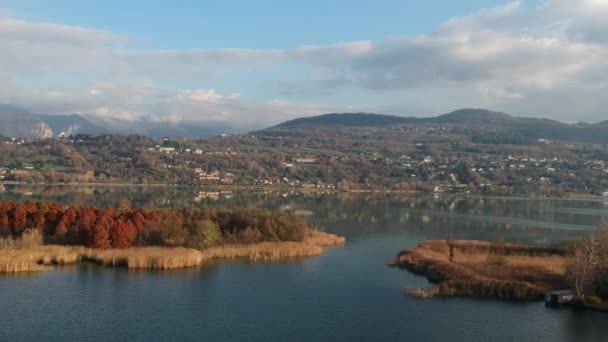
[{"x": 346, "y": 294}]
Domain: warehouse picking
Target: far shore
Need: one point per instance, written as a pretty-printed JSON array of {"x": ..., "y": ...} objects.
[
  {"x": 485, "y": 269},
  {"x": 224, "y": 187},
  {"x": 41, "y": 258}
]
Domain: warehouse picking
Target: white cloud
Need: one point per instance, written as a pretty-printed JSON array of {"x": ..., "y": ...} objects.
[
  {"x": 543, "y": 60},
  {"x": 206, "y": 96}
]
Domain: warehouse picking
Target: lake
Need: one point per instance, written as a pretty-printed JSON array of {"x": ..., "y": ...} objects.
[{"x": 346, "y": 294}]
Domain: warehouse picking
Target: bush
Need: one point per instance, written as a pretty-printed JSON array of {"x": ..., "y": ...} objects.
[{"x": 204, "y": 234}]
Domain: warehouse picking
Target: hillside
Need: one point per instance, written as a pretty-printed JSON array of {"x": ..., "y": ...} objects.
[
  {"x": 480, "y": 124},
  {"x": 17, "y": 122},
  {"x": 70, "y": 124},
  {"x": 348, "y": 119}
]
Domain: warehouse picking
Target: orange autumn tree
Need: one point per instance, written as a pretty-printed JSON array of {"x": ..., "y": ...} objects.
[
  {"x": 123, "y": 227},
  {"x": 123, "y": 234}
]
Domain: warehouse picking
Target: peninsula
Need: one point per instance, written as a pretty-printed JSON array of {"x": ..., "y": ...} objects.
[
  {"x": 485, "y": 269},
  {"x": 36, "y": 235}
]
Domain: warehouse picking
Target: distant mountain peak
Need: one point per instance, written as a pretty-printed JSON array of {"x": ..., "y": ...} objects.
[
  {"x": 511, "y": 128},
  {"x": 17, "y": 122},
  {"x": 346, "y": 119},
  {"x": 475, "y": 115},
  {"x": 371, "y": 120}
]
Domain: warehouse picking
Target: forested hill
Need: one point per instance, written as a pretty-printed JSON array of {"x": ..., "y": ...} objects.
[
  {"x": 477, "y": 123},
  {"x": 349, "y": 119}
]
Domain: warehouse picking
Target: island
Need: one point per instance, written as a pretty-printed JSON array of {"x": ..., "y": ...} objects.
[
  {"x": 35, "y": 236},
  {"x": 576, "y": 275},
  {"x": 485, "y": 269}
]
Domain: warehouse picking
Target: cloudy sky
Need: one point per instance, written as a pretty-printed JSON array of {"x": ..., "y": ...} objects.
[{"x": 254, "y": 63}]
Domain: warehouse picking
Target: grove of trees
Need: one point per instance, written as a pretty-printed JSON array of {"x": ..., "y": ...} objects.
[{"x": 122, "y": 227}]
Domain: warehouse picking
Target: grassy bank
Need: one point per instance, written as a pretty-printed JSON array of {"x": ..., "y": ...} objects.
[
  {"x": 485, "y": 269},
  {"x": 27, "y": 254},
  {"x": 145, "y": 257},
  {"x": 39, "y": 258},
  {"x": 313, "y": 244}
]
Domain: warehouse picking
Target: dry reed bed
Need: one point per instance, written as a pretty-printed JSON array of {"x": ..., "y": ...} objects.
[
  {"x": 485, "y": 269},
  {"x": 24, "y": 255},
  {"x": 37, "y": 258},
  {"x": 323, "y": 239},
  {"x": 311, "y": 246},
  {"x": 145, "y": 257}
]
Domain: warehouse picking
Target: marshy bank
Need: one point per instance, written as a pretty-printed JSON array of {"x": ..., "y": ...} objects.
[
  {"x": 36, "y": 235},
  {"x": 28, "y": 254},
  {"x": 313, "y": 243},
  {"x": 485, "y": 269}
]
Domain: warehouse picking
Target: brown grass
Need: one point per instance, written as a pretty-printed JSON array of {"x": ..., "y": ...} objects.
[
  {"x": 323, "y": 239},
  {"x": 487, "y": 269},
  {"x": 311, "y": 246},
  {"x": 27, "y": 253},
  {"x": 37, "y": 258},
  {"x": 417, "y": 292},
  {"x": 29, "y": 239},
  {"x": 145, "y": 257}
]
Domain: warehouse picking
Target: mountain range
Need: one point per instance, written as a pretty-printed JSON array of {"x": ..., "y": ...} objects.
[
  {"x": 17, "y": 122},
  {"x": 481, "y": 124}
]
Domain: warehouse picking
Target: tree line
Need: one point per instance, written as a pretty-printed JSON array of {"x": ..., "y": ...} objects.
[{"x": 121, "y": 226}]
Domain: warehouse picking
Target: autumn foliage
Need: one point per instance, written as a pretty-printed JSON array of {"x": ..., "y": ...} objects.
[{"x": 123, "y": 227}]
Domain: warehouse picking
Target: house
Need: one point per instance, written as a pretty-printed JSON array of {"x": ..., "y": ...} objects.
[
  {"x": 305, "y": 160},
  {"x": 166, "y": 149},
  {"x": 559, "y": 297},
  {"x": 214, "y": 176}
]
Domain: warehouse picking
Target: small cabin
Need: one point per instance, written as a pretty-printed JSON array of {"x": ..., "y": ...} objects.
[{"x": 559, "y": 297}]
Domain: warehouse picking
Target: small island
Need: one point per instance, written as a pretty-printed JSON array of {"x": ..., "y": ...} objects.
[
  {"x": 576, "y": 275},
  {"x": 485, "y": 269},
  {"x": 37, "y": 235}
]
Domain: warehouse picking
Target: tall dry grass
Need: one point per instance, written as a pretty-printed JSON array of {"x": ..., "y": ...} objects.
[
  {"x": 487, "y": 269},
  {"x": 30, "y": 238},
  {"x": 323, "y": 239},
  {"x": 312, "y": 245},
  {"x": 263, "y": 250},
  {"x": 26, "y": 254},
  {"x": 145, "y": 257}
]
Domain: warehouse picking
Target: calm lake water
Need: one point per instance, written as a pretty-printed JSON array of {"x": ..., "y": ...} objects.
[{"x": 347, "y": 294}]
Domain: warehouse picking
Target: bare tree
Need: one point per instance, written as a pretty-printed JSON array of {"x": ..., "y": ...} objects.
[
  {"x": 585, "y": 260},
  {"x": 451, "y": 242}
]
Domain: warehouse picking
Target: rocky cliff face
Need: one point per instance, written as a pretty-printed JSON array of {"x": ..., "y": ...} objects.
[
  {"x": 42, "y": 131},
  {"x": 16, "y": 122}
]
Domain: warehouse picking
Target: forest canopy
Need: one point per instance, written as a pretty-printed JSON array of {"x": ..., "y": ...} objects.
[{"x": 122, "y": 227}]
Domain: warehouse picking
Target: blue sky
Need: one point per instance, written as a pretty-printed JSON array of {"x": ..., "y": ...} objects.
[
  {"x": 188, "y": 24},
  {"x": 254, "y": 63}
]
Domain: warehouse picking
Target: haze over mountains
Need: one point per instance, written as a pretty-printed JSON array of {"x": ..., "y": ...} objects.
[
  {"x": 17, "y": 122},
  {"x": 484, "y": 125}
]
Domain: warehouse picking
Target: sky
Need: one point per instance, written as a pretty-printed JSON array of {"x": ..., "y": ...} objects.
[{"x": 255, "y": 63}]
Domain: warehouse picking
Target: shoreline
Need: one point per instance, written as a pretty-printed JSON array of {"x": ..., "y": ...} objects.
[
  {"x": 45, "y": 257},
  {"x": 470, "y": 268},
  {"x": 573, "y": 196}
]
